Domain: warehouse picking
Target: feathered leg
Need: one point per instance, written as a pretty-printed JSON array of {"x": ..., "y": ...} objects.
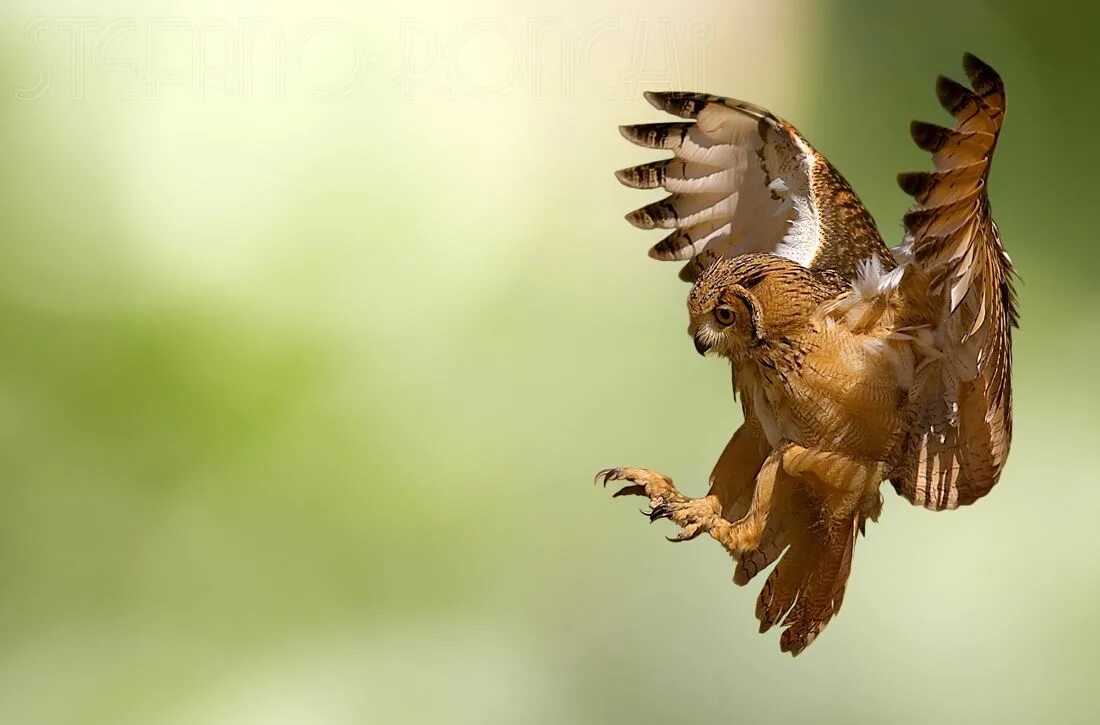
[
  {"x": 733, "y": 475},
  {"x": 773, "y": 486}
]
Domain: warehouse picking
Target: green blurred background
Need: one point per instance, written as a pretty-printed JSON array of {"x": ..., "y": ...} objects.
[{"x": 318, "y": 321}]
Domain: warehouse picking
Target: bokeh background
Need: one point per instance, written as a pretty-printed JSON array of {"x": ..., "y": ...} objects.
[{"x": 317, "y": 320}]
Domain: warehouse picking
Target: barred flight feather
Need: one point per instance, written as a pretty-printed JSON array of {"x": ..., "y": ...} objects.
[{"x": 752, "y": 183}]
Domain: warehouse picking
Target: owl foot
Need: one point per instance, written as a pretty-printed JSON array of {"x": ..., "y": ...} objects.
[{"x": 694, "y": 515}]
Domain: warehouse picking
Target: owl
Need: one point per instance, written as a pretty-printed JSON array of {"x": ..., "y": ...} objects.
[{"x": 855, "y": 364}]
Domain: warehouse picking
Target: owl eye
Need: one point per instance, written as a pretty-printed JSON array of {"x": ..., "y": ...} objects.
[{"x": 724, "y": 315}]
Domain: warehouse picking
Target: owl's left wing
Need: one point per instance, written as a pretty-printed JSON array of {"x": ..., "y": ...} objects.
[
  {"x": 957, "y": 269},
  {"x": 743, "y": 180}
]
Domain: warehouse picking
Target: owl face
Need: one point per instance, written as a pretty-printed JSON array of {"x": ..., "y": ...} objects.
[
  {"x": 722, "y": 329},
  {"x": 721, "y": 321}
]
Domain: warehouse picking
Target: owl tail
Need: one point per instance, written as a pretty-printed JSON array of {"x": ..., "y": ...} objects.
[{"x": 806, "y": 588}]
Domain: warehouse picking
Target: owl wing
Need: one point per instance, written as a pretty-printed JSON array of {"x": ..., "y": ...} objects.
[
  {"x": 962, "y": 396},
  {"x": 742, "y": 180}
]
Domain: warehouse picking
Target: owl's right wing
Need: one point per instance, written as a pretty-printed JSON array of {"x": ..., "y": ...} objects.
[
  {"x": 961, "y": 400},
  {"x": 743, "y": 180}
]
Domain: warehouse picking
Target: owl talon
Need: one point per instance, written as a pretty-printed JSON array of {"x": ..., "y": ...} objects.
[
  {"x": 687, "y": 533},
  {"x": 658, "y": 511}
]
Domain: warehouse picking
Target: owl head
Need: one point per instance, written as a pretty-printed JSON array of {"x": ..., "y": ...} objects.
[{"x": 740, "y": 304}]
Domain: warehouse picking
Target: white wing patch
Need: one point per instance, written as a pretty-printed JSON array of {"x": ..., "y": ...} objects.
[
  {"x": 873, "y": 281},
  {"x": 873, "y": 290}
]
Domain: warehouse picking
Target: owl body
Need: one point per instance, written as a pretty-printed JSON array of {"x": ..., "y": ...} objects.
[
  {"x": 810, "y": 377},
  {"x": 854, "y": 364}
]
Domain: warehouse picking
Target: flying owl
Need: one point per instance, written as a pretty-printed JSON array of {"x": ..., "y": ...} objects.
[{"x": 855, "y": 363}]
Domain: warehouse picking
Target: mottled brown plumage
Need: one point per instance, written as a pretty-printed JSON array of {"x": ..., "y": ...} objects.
[{"x": 852, "y": 367}]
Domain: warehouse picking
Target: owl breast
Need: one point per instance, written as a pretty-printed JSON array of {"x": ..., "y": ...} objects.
[{"x": 849, "y": 396}]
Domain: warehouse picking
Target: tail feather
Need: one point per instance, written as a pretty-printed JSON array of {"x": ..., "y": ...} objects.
[
  {"x": 823, "y": 590},
  {"x": 806, "y": 588},
  {"x": 782, "y": 586}
]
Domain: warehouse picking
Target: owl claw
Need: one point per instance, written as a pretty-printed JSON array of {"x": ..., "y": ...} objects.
[
  {"x": 658, "y": 511},
  {"x": 687, "y": 533}
]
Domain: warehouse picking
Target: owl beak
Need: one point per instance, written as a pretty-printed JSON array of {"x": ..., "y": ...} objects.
[{"x": 701, "y": 346}]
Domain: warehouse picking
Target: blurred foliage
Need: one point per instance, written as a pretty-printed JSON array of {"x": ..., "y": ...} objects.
[{"x": 301, "y": 390}]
